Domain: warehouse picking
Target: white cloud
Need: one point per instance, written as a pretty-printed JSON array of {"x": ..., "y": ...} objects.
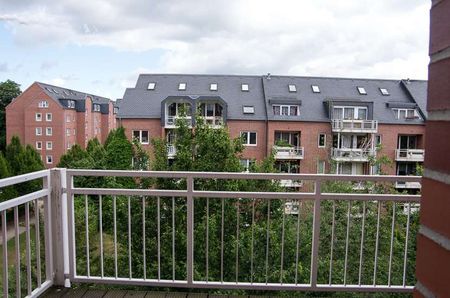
[{"x": 386, "y": 38}]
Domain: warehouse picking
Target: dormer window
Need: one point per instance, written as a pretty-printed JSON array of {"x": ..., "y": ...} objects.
[
  {"x": 362, "y": 90},
  {"x": 213, "y": 87},
  {"x": 43, "y": 104},
  {"x": 96, "y": 108},
  {"x": 384, "y": 91},
  {"x": 182, "y": 86},
  {"x": 350, "y": 113},
  {"x": 116, "y": 110},
  {"x": 292, "y": 88},
  {"x": 286, "y": 110},
  {"x": 71, "y": 104},
  {"x": 244, "y": 87},
  {"x": 315, "y": 88},
  {"x": 151, "y": 86},
  {"x": 248, "y": 109},
  {"x": 406, "y": 114}
]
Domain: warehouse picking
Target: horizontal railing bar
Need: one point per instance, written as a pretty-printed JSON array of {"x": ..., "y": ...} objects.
[
  {"x": 370, "y": 197},
  {"x": 23, "y": 178},
  {"x": 256, "y": 195},
  {"x": 129, "y": 192},
  {"x": 241, "y": 285},
  {"x": 24, "y": 199},
  {"x": 234, "y": 175}
]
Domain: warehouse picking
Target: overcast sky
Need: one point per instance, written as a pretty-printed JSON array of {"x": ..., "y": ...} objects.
[{"x": 100, "y": 46}]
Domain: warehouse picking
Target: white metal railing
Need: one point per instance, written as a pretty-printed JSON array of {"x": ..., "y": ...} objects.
[
  {"x": 24, "y": 214},
  {"x": 417, "y": 155},
  {"x": 171, "y": 120},
  {"x": 214, "y": 121},
  {"x": 146, "y": 245},
  {"x": 351, "y": 154},
  {"x": 284, "y": 152},
  {"x": 354, "y": 125}
]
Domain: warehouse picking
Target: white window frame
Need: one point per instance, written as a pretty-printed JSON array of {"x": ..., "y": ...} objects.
[
  {"x": 324, "y": 140},
  {"x": 248, "y": 109},
  {"x": 49, "y": 159},
  {"x": 361, "y": 90},
  {"x": 289, "y": 107},
  {"x": 355, "y": 111},
  {"x": 68, "y": 132},
  {"x": 47, "y": 147},
  {"x": 397, "y": 112},
  {"x": 68, "y": 118},
  {"x": 248, "y": 133},
  {"x": 74, "y": 131},
  {"x": 384, "y": 91},
  {"x": 43, "y": 104},
  {"x": 322, "y": 162},
  {"x": 48, "y": 131},
  {"x": 68, "y": 145},
  {"x": 247, "y": 163},
  {"x": 38, "y": 145},
  {"x": 292, "y": 88},
  {"x": 151, "y": 86},
  {"x": 213, "y": 87},
  {"x": 140, "y": 136},
  {"x": 315, "y": 88},
  {"x": 245, "y": 87},
  {"x": 38, "y": 131},
  {"x": 38, "y": 117},
  {"x": 96, "y": 108},
  {"x": 182, "y": 86},
  {"x": 47, "y": 117}
]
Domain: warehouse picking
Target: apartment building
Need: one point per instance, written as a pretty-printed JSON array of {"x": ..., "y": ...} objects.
[
  {"x": 52, "y": 119},
  {"x": 312, "y": 124}
]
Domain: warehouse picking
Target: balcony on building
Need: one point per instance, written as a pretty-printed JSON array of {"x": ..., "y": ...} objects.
[
  {"x": 211, "y": 113},
  {"x": 178, "y": 111},
  {"x": 287, "y": 152},
  {"x": 352, "y": 119},
  {"x": 413, "y": 155},
  {"x": 287, "y": 145},
  {"x": 352, "y": 154}
]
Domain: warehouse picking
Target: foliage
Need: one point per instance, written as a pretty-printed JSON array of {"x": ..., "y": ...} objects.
[{"x": 8, "y": 91}]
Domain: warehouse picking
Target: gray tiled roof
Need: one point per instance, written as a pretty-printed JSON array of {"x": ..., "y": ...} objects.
[{"x": 139, "y": 102}]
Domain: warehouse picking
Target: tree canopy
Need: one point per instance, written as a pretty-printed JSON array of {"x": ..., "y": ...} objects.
[{"x": 8, "y": 91}]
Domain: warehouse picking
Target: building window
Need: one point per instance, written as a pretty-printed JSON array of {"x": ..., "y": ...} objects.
[
  {"x": 49, "y": 159},
  {"x": 322, "y": 140},
  {"x": 43, "y": 104},
  {"x": 39, "y": 145},
  {"x": 74, "y": 131},
  {"x": 48, "y": 131},
  {"x": 377, "y": 140},
  {"x": 248, "y": 109},
  {"x": 141, "y": 136},
  {"x": 350, "y": 113},
  {"x": 384, "y": 91},
  {"x": 289, "y": 167},
  {"x": 48, "y": 117},
  {"x": 320, "y": 167},
  {"x": 96, "y": 108},
  {"x": 244, "y": 87},
  {"x": 248, "y": 138},
  {"x": 315, "y": 88},
  {"x": 247, "y": 164},
  {"x": 71, "y": 104},
  {"x": 38, "y": 117},
  {"x": 67, "y": 118},
  {"x": 151, "y": 86},
  {"x": 287, "y": 138},
  {"x": 213, "y": 87},
  {"x": 362, "y": 90},
  {"x": 68, "y": 131},
  {"x": 286, "y": 110},
  {"x": 49, "y": 145},
  {"x": 182, "y": 86},
  {"x": 292, "y": 88},
  {"x": 68, "y": 145},
  {"x": 39, "y": 131},
  {"x": 406, "y": 114}
]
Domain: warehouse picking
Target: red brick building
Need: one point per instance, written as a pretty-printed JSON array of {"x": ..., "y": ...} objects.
[
  {"x": 313, "y": 124},
  {"x": 52, "y": 119}
]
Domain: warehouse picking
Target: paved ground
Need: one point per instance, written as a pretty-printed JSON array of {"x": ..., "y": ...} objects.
[{"x": 95, "y": 293}]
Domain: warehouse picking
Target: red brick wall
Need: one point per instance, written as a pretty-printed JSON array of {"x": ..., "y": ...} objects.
[
  {"x": 152, "y": 125},
  {"x": 433, "y": 251},
  {"x": 251, "y": 152}
]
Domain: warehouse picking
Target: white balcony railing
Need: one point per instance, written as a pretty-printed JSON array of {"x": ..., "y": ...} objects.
[
  {"x": 417, "y": 155},
  {"x": 214, "y": 122},
  {"x": 171, "y": 121},
  {"x": 351, "y": 154},
  {"x": 354, "y": 125},
  {"x": 408, "y": 185},
  {"x": 171, "y": 151},
  {"x": 160, "y": 237},
  {"x": 291, "y": 183},
  {"x": 282, "y": 152}
]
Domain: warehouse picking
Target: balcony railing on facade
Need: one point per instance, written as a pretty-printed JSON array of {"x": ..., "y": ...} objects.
[
  {"x": 171, "y": 151},
  {"x": 354, "y": 125},
  {"x": 214, "y": 121},
  {"x": 180, "y": 238},
  {"x": 351, "y": 154},
  {"x": 413, "y": 155},
  {"x": 408, "y": 185},
  {"x": 171, "y": 121},
  {"x": 288, "y": 153}
]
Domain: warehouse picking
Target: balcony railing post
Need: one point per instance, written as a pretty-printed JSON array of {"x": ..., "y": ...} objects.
[
  {"x": 316, "y": 234},
  {"x": 57, "y": 226},
  {"x": 190, "y": 230}
]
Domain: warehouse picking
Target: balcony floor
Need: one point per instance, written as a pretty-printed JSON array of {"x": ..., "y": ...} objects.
[{"x": 115, "y": 293}]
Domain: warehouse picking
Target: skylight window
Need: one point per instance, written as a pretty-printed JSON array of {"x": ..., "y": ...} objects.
[
  {"x": 292, "y": 88},
  {"x": 315, "y": 88},
  {"x": 182, "y": 86},
  {"x": 384, "y": 91},
  {"x": 248, "y": 109},
  {"x": 151, "y": 86},
  {"x": 362, "y": 91},
  {"x": 244, "y": 87},
  {"x": 213, "y": 87}
]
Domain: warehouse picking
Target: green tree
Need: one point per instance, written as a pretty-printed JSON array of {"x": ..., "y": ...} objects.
[
  {"x": 7, "y": 192},
  {"x": 8, "y": 91}
]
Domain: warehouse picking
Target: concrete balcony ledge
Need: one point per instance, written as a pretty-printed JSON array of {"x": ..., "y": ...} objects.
[
  {"x": 286, "y": 152},
  {"x": 351, "y": 154},
  {"x": 354, "y": 125},
  {"x": 417, "y": 155}
]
